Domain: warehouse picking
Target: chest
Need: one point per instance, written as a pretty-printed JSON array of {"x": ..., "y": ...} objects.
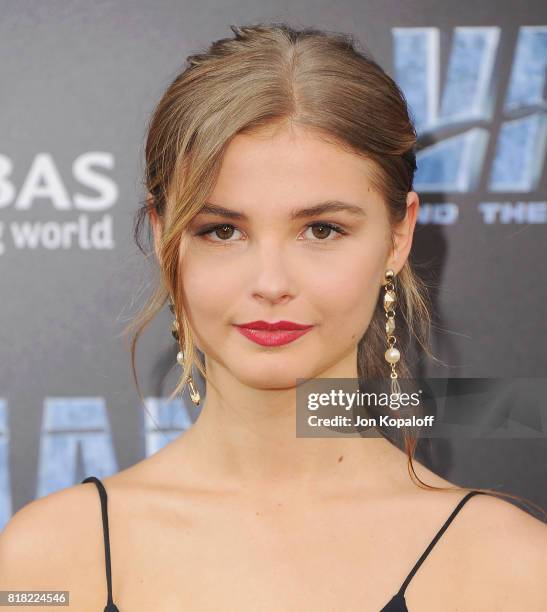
[{"x": 277, "y": 559}]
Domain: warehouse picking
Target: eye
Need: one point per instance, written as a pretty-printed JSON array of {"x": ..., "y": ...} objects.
[
  {"x": 326, "y": 228},
  {"x": 224, "y": 231}
]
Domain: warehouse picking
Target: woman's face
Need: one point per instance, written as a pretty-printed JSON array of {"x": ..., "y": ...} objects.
[{"x": 272, "y": 266}]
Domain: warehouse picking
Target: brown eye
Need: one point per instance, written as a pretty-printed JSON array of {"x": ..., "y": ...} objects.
[
  {"x": 321, "y": 231},
  {"x": 224, "y": 231},
  {"x": 221, "y": 232}
]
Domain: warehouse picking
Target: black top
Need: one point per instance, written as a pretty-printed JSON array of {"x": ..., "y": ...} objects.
[{"x": 396, "y": 604}]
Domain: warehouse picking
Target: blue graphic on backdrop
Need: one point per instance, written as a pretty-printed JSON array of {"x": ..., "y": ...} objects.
[
  {"x": 455, "y": 163},
  {"x": 76, "y": 441}
]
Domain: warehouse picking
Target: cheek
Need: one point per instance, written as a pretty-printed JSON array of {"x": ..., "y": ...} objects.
[
  {"x": 206, "y": 299},
  {"x": 208, "y": 290},
  {"x": 349, "y": 292}
]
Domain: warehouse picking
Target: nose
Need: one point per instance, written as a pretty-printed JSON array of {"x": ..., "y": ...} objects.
[{"x": 271, "y": 278}]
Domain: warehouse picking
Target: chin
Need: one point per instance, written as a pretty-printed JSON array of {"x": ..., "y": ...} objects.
[{"x": 271, "y": 377}]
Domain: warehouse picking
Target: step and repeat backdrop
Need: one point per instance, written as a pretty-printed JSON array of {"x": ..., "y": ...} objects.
[{"x": 79, "y": 82}]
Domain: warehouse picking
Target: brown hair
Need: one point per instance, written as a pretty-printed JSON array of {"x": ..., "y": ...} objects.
[{"x": 272, "y": 75}]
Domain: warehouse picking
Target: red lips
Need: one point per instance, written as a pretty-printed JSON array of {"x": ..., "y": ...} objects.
[
  {"x": 276, "y": 326},
  {"x": 273, "y": 334}
]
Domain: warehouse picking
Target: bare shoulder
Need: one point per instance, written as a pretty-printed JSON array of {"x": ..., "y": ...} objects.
[
  {"x": 509, "y": 553},
  {"x": 56, "y": 543},
  {"x": 506, "y": 523},
  {"x": 499, "y": 548}
]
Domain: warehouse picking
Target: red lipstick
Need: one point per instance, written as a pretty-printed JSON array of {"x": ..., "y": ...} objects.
[{"x": 273, "y": 334}]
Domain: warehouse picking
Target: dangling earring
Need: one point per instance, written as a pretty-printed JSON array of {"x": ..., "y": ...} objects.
[
  {"x": 392, "y": 355},
  {"x": 194, "y": 393}
]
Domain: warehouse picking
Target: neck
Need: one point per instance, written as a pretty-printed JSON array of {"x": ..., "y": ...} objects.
[{"x": 246, "y": 438}]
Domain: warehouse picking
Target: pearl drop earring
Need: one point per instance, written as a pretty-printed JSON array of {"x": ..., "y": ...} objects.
[
  {"x": 392, "y": 355},
  {"x": 194, "y": 393}
]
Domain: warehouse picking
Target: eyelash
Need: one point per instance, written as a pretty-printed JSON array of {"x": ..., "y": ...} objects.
[{"x": 210, "y": 229}]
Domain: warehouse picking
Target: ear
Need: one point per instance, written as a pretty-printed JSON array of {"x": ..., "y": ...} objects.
[
  {"x": 403, "y": 233},
  {"x": 157, "y": 227}
]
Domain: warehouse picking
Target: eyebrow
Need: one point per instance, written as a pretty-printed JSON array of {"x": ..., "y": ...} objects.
[{"x": 329, "y": 206}]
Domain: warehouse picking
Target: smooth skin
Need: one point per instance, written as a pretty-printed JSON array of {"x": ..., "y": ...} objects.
[{"x": 239, "y": 514}]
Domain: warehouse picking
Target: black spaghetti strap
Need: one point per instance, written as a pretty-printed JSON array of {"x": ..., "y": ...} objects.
[
  {"x": 435, "y": 539},
  {"x": 110, "y": 605}
]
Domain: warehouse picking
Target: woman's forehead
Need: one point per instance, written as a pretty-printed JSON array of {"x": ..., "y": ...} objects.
[{"x": 254, "y": 172}]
